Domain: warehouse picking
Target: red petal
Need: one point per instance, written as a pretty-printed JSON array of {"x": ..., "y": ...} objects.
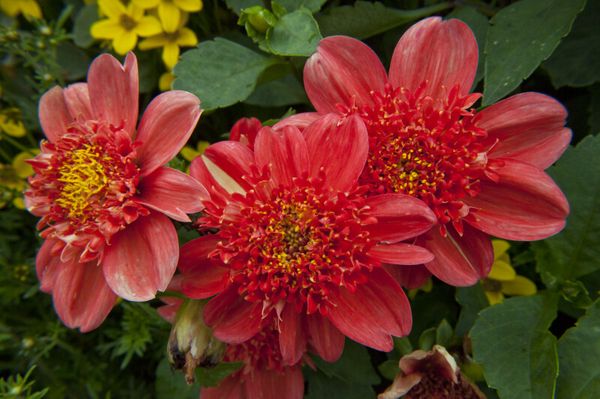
[
  {"x": 342, "y": 71},
  {"x": 142, "y": 258},
  {"x": 202, "y": 277},
  {"x": 442, "y": 53},
  {"x": 166, "y": 126},
  {"x": 229, "y": 388},
  {"x": 113, "y": 90},
  {"x": 200, "y": 172},
  {"x": 292, "y": 341},
  {"x": 375, "y": 312},
  {"x": 400, "y": 254},
  {"x": 399, "y": 217},
  {"x": 81, "y": 297},
  {"x": 301, "y": 120},
  {"x": 339, "y": 147},
  {"x": 525, "y": 204},
  {"x": 269, "y": 384},
  {"x": 169, "y": 311},
  {"x": 173, "y": 193},
  {"x": 54, "y": 115},
  {"x": 529, "y": 127},
  {"x": 409, "y": 277},
  {"x": 325, "y": 340},
  {"x": 283, "y": 152},
  {"x": 245, "y": 131},
  {"x": 46, "y": 264},
  {"x": 459, "y": 261},
  {"x": 77, "y": 99},
  {"x": 232, "y": 318},
  {"x": 232, "y": 160}
]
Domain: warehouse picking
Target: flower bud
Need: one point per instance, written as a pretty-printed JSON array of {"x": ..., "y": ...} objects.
[{"x": 191, "y": 343}]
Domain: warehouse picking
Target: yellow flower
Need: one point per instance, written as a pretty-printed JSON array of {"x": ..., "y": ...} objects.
[
  {"x": 123, "y": 25},
  {"x": 165, "y": 81},
  {"x": 170, "y": 11},
  {"x": 503, "y": 280},
  {"x": 11, "y": 187},
  {"x": 189, "y": 153},
  {"x": 10, "y": 122},
  {"x": 29, "y": 8},
  {"x": 170, "y": 42},
  {"x": 22, "y": 168}
]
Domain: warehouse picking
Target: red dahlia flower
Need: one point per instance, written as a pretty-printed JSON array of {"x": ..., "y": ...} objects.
[
  {"x": 298, "y": 240},
  {"x": 481, "y": 173},
  {"x": 102, "y": 191}
]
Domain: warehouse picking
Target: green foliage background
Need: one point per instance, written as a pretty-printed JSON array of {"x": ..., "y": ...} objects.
[{"x": 537, "y": 347}]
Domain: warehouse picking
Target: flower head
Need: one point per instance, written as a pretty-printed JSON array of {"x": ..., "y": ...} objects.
[
  {"x": 123, "y": 25},
  {"x": 481, "y": 173},
  {"x": 29, "y": 8},
  {"x": 170, "y": 43},
  {"x": 171, "y": 12},
  {"x": 503, "y": 280},
  {"x": 103, "y": 194},
  {"x": 10, "y": 123},
  {"x": 298, "y": 241}
]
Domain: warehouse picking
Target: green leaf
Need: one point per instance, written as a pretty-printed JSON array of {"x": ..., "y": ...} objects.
[
  {"x": 578, "y": 354},
  {"x": 575, "y": 251},
  {"x": 518, "y": 353},
  {"x": 320, "y": 386},
  {"x": 576, "y": 61},
  {"x": 295, "y": 34},
  {"x": 472, "y": 300},
  {"x": 365, "y": 19},
  {"x": 523, "y": 35},
  {"x": 83, "y": 22},
  {"x": 238, "y": 5},
  {"x": 354, "y": 365},
  {"x": 171, "y": 384},
  {"x": 479, "y": 24},
  {"x": 211, "y": 377},
  {"x": 220, "y": 72},
  {"x": 73, "y": 61},
  {"x": 312, "y": 5},
  {"x": 389, "y": 368},
  {"x": 594, "y": 110},
  {"x": 280, "y": 92}
]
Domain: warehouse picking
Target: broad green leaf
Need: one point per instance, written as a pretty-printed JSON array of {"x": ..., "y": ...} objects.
[
  {"x": 211, "y": 377},
  {"x": 472, "y": 300},
  {"x": 312, "y": 5},
  {"x": 280, "y": 92},
  {"x": 575, "y": 251},
  {"x": 295, "y": 34},
  {"x": 83, "y": 21},
  {"x": 523, "y": 35},
  {"x": 171, "y": 383},
  {"x": 594, "y": 109},
  {"x": 365, "y": 19},
  {"x": 576, "y": 61},
  {"x": 512, "y": 342},
  {"x": 73, "y": 60},
  {"x": 578, "y": 354},
  {"x": 238, "y": 5},
  {"x": 321, "y": 386},
  {"x": 353, "y": 366},
  {"x": 220, "y": 72},
  {"x": 479, "y": 24}
]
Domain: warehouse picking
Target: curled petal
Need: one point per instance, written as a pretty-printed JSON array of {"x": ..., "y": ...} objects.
[
  {"x": 525, "y": 204},
  {"x": 228, "y": 162},
  {"x": 142, "y": 258},
  {"x": 165, "y": 127},
  {"x": 342, "y": 71},
  {"x": 217, "y": 182},
  {"x": 442, "y": 53},
  {"x": 399, "y": 217},
  {"x": 338, "y": 147},
  {"x": 113, "y": 91},
  {"x": 173, "y": 193},
  {"x": 459, "y": 261},
  {"x": 528, "y": 127}
]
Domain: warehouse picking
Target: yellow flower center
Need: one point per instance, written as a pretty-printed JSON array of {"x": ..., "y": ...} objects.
[
  {"x": 127, "y": 22},
  {"x": 84, "y": 177}
]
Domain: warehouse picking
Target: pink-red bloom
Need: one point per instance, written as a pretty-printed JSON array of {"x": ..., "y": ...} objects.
[
  {"x": 298, "y": 242},
  {"x": 103, "y": 194},
  {"x": 481, "y": 173}
]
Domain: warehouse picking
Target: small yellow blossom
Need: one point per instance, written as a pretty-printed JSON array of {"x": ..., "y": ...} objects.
[
  {"x": 170, "y": 42},
  {"x": 29, "y": 8},
  {"x": 11, "y": 187},
  {"x": 165, "y": 81},
  {"x": 170, "y": 11},
  {"x": 123, "y": 25},
  {"x": 10, "y": 122},
  {"x": 19, "y": 164},
  {"x": 503, "y": 280},
  {"x": 189, "y": 153}
]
